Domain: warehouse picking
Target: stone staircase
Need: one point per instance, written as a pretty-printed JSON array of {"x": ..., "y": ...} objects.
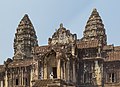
[
  {"x": 42, "y": 83},
  {"x": 51, "y": 83}
]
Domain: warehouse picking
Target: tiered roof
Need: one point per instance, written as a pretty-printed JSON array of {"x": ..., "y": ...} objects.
[
  {"x": 20, "y": 63},
  {"x": 25, "y": 38},
  {"x": 94, "y": 28}
]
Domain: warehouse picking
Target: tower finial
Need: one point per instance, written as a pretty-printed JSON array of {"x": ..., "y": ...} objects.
[
  {"x": 94, "y": 9},
  {"x": 25, "y": 21},
  {"x": 61, "y": 25}
]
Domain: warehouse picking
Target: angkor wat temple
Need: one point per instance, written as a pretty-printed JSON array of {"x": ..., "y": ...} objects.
[{"x": 67, "y": 61}]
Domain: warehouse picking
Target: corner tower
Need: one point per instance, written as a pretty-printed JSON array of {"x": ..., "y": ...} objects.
[
  {"x": 94, "y": 29},
  {"x": 25, "y": 39},
  {"x": 90, "y": 52}
]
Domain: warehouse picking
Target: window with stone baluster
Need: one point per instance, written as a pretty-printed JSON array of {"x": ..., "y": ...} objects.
[{"x": 111, "y": 77}]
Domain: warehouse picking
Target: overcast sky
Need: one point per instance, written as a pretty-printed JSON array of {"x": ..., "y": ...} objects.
[{"x": 46, "y": 15}]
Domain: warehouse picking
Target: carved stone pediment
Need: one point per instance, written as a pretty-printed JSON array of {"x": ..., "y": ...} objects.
[
  {"x": 62, "y": 36},
  {"x": 50, "y": 57}
]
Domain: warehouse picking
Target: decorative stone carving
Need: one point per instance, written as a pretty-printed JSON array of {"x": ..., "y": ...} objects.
[{"x": 62, "y": 36}]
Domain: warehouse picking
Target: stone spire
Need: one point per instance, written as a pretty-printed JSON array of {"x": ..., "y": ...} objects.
[
  {"x": 94, "y": 28},
  {"x": 25, "y": 39}
]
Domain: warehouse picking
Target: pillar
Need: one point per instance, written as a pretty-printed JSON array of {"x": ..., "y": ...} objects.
[
  {"x": 6, "y": 79},
  {"x": 45, "y": 71},
  {"x": 31, "y": 76},
  {"x": 64, "y": 70},
  {"x": 74, "y": 72},
  {"x": 61, "y": 72},
  {"x": 58, "y": 70},
  {"x": 41, "y": 71},
  {"x": 22, "y": 76},
  {"x": 98, "y": 73},
  {"x": 67, "y": 71},
  {"x": 1, "y": 83}
]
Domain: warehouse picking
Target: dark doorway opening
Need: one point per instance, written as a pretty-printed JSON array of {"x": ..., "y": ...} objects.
[
  {"x": 26, "y": 81},
  {"x": 17, "y": 82},
  {"x": 54, "y": 72},
  {"x": 113, "y": 77}
]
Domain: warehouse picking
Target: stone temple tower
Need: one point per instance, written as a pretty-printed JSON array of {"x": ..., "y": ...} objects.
[
  {"x": 94, "y": 29},
  {"x": 90, "y": 47},
  {"x": 25, "y": 39}
]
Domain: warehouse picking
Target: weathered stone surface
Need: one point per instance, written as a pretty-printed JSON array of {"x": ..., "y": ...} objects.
[
  {"x": 66, "y": 61},
  {"x": 25, "y": 39}
]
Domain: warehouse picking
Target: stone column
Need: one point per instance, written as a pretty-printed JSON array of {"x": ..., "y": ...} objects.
[
  {"x": 45, "y": 71},
  {"x": 98, "y": 73},
  {"x": 31, "y": 76},
  {"x": 67, "y": 71},
  {"x": 11, "y": 79},
  {"x": 41, "y": 71},
  {"x": 58, "y": 69},
  {"x": 22, "y": 76},
  {"x": 6, "y": 79},
  {"x": 64, "y": 70},
  {"x": 74, "y": 72},
  {"x": 1, "y": 83}
]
